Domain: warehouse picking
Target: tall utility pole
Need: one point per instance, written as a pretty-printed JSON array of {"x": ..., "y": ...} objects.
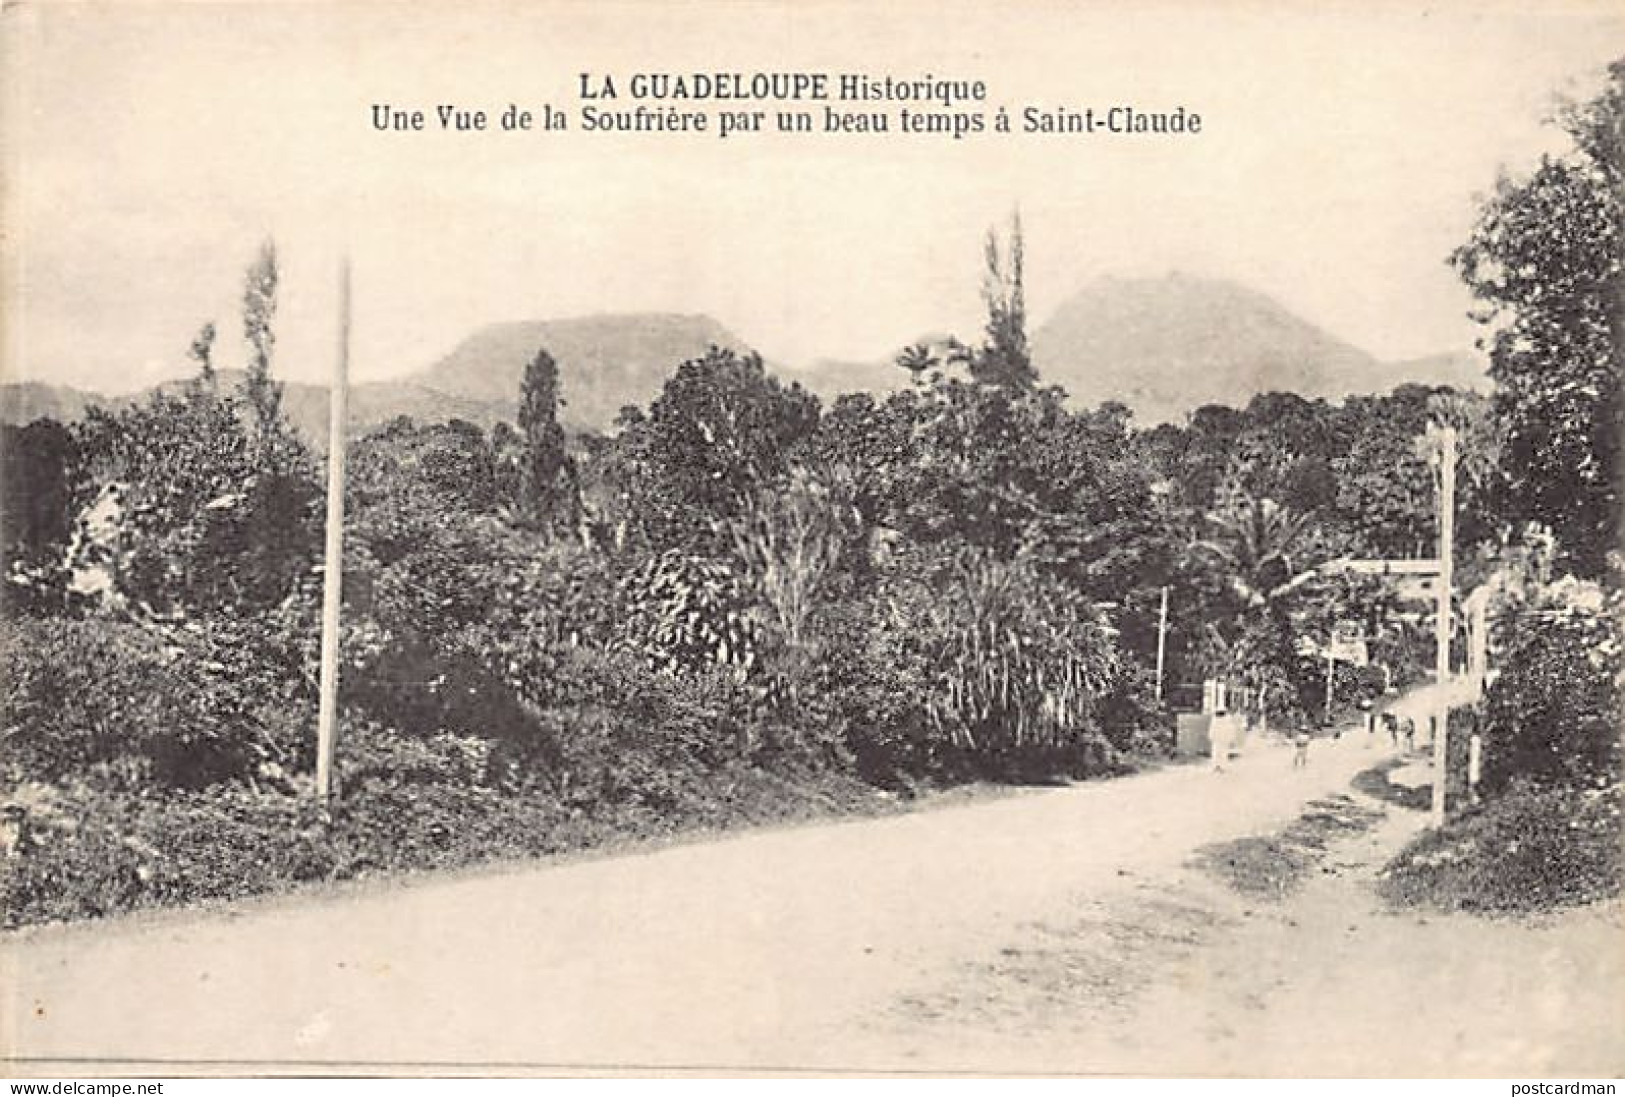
[
  {"x": 1446, "y": 437},
  {"x": 1162, "y": 638},
  {"x": 332, "y": 574},
  {"x": 1331, "y": 674}
]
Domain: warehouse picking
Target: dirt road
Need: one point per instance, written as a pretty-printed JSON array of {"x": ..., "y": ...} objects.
[{"x": 1054, "y": 930}]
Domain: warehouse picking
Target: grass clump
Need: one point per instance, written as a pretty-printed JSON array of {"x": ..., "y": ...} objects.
[
  {"x": 1273, "y": 867},
  {"x": 1374, "y": 783}
]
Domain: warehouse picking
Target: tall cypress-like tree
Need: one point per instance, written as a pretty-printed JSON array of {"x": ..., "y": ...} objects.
[
  {"x": 1005, "y": 358},
  {"x": 202, "y": 352},
  {"x": 547, "y": 481},
  {"x": 259, "y": 311}
]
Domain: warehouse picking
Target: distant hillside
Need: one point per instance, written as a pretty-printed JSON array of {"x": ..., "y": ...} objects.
[
  {"x": 1459, "y": 370},
  {"x": 371, "y": 404},
  {"x": 25, "y": 401},
  {"x": 1166, "y": 345},
  {"x": 829, "y": 378},
  {"x": 605, "y": 362}
]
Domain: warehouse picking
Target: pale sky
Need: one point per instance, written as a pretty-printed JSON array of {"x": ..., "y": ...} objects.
[{"x": 151, "y": 146}]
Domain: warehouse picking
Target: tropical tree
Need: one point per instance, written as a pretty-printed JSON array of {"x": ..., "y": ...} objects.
[
  {"x": 1005, "y": 358},
  {"x": 919, "y": 359},
  {"x": 1258, "y": 551},
  {"x": 789, "y": 541},
  {"x": 721, "y": 429},
  {"x": 547, "y": 479},
  {"x": 1260, "y": 544},
  {"x": 210, "y": 515},
  {"x": 216, "y": 492},
  {"x": 1010, "y": 658},
  {"x": 202, "y": 352},
  {"x": 1546, "y": 260},
  {"x": 264, "y": 394}
]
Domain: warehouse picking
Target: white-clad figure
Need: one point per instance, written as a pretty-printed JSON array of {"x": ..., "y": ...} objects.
[{"x": 1220, "y": 734}]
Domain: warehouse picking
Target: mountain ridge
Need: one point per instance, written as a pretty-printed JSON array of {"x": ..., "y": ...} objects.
[{"x": 1162, "y": 345}]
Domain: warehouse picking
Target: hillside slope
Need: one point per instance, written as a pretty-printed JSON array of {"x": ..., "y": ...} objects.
[
  {"x": 605, "y": 362},
  {"x": 1166, "y": 345}
]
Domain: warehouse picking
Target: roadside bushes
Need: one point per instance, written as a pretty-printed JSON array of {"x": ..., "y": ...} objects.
[
  {"x": 973, "y": 666},
  {"x": 685, "y": 612},
  {"x": 1553, "y": 713},
  {"x": 182, "y": 708},
  {"x": 1131, "y": 718},
  {"x": 84, "y": 847},
  {"x": 1549, "y": 833},
  {"x": 1530, "y": 849},
  {"x": 506, "y": 690},
  {"x": 83, "y": 850},
  {"x": 1017, "y": 657},
  {"x": 218, "y": 513}
]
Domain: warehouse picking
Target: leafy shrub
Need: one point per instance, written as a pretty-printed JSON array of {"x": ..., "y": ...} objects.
[
  {"x": 721, "y": 430},
  {"x": 972, "y": 666},
  {"x": 466, "y": 632},
  {"x": 421, "y": 803},
  {"x": 216, "y": 512},
  {"x": 1531, "y": 848},
  {"x": 685, "y": 612},
  {"x": 789, "y": 541},
  {"x": 188, "y": 706},
  {"x": 877, "y": 681},
  {"x": 1015, "y": 658},
  {"x": 700, "y": 718},
  {"x": 1131, "y": 718},
  {"x": 421, "y": 689},
  {"x": 83, "y": 851},
  {"x": 1553, "y": 711}
]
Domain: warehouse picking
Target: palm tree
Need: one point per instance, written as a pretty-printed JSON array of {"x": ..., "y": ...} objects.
[
  {"x": 918, "y": 359},
  {"x": 1259, "y": 543}
]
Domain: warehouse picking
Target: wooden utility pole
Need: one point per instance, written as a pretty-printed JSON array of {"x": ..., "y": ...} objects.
[
  {"x": 1446, "y": 437},
  {"x": 1331, "y": 671},
  {"x": 1162, "y": 638},
  {"x": 333, "y": 570}
]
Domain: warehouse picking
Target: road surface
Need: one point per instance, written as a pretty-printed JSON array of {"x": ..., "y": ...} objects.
[{"x": 927, "y": 941}]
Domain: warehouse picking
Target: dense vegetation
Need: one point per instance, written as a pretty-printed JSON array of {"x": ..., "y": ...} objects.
[
  {"x": 1547, "y": 261},
  {"x": 738, "y": 605}
]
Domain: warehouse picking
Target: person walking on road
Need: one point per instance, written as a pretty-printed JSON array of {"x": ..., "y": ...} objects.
[
  {"x": 1300, "y": 747},
  {"x": 1219, "y": 736}
]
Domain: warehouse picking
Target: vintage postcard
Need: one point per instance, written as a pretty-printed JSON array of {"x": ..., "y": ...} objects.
[{"x": 812, "y": 538}]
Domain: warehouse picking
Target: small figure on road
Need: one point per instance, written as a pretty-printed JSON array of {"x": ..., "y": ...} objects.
[
  {"x": 1391, "y": 722},
  {"x": 1370, "y": 714},
  {"x": 1409, "y": 728},
  {"x": 1219, "y": 735},
  {"x": 1300, "y": 747}
]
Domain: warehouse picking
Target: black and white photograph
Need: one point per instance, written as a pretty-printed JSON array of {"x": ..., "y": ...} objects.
[{"x": 933, "y": 539}]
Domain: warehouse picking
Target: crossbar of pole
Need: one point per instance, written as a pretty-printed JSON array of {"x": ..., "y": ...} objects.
[{"x": 333, "y": 570}]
